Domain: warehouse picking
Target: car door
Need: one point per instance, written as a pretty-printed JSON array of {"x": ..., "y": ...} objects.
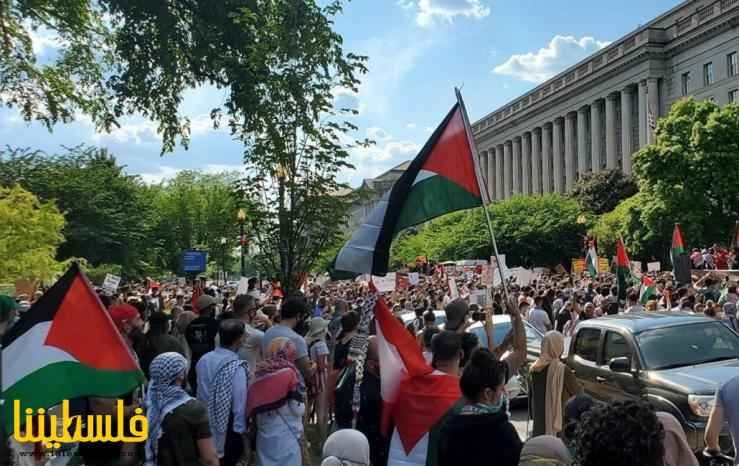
[
  {"x": 617, "y": 386},
  {"x": 583, "y": 359}
]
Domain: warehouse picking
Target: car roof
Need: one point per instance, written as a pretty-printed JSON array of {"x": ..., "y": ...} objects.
[{"x": 637, "y": 322}]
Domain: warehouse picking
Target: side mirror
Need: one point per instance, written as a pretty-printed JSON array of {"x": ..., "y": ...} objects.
[{"x": 622, "y": 364}]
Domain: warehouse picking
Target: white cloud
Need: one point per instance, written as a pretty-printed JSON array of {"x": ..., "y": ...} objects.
[
  {"x": 42, "y": 39},
  {"x": 389, "y": 150},
  {"x": 378, "y": 134},
  {"x": 136, "y": 131},
  {"x": 347, "y": 99},
  {"x": 214, "y": 168},
  {"x": 410, "y": 126},
  {"x": 163, "y": 172},
  {"x": 562, "y": 51},
  {"x": 445, "y": 10}
]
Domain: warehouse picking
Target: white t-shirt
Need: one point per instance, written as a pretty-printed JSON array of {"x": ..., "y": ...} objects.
[{"x": 539, "y": 319}]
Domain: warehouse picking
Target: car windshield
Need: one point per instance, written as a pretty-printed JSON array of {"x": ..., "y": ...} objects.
[{"x": 687, "y": 345}]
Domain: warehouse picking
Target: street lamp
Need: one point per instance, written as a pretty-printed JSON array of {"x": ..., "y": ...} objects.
[
  {"x": 242, "y": 239},
  {"x": 224, "y": 241}
]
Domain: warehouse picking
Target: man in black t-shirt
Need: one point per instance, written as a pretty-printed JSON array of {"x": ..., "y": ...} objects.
[{"x": 201, "y": 335}]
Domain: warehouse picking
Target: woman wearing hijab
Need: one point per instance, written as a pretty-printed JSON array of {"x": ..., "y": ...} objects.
[
  {"x": 276, "y": 402},
  {"x": 677, "y": 449},
  {"x": 179, "y": 433},
  {"x": 318, "y": 353},
  {"x": 552, "y": 384},
  {"x": 346, "y": 447},
  {"x": 545, "y": 450},
  {"x": 178, "y": 331}
]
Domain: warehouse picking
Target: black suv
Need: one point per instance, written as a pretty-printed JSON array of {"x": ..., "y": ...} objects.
[{"x": 676, "y": 361}]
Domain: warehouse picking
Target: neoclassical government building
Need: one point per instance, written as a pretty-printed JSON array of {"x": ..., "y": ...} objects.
[{"x": 597, "y": 113}]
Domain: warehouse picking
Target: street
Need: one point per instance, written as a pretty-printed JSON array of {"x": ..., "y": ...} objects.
[{"x": 518, "y": 418}]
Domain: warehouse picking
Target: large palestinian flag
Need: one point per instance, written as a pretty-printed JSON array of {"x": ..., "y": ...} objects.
[
  {"x": 416, "y": 399},
  {"x": 65, "y": 346},
  {"x": 681, "y": 264},
  {"x": 623, "y": 269},
  {"x": 441, "y": 179}
]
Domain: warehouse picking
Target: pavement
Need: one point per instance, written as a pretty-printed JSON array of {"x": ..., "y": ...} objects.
[{"x": 518, "y": 419}]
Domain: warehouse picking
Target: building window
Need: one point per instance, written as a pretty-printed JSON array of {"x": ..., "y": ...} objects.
[
  {"x": 733, "y": 96},
  {"x": 685, "y": 87},
  {"x": 708, "y": 77},
  {"x": 731, "y": 64}
]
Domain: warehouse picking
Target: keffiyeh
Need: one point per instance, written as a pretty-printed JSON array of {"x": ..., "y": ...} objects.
[
  {"x": 221, "y": 396},
  {"x": 164, "y": 396}
]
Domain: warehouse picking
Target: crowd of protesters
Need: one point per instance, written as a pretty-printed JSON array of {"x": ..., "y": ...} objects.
[{"x": 236, "y": 378}]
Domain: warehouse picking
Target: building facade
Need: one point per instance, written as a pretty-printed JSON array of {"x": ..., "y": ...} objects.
[
  {"x": 371, "y": 191},
  {"x": 598, "y": 113}
]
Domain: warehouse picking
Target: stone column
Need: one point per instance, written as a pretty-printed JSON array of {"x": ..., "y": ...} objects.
[
  {"x": 570, "y": 156},
  {"x": 582, "y": 141},
  {"x": 516, "y": 165},
  {"x": 499, "y": 184},
  {"x": 507, "y": 169},
  {"x": 611, "y": 154},
  {"x": 558, "y": 155},
  {"x": 653, "y": 106},
  {"x": 596, "y": 136},
  {"x": 642, "y": 105},
  {"x": 536, "y": 161},
  {"x": 546, "y": 158},
  {"x": 491, "y": 173},
  {"x": 483, "y": 165},
  {"x": 627, "y": 143},
  {"x": 526, "y": 163}
]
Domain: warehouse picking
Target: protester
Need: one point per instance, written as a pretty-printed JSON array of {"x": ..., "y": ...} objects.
[
  {"x": 179, "y": 328},
  {"x": 179, "y": 431},
  {"x": 346, "y": 447},
  {"x": 539, "y": 318},
  {"x": 290, "y": 312},
  {"x": 276, "y": 404},
  {"x": 545, "y": 450},
  {"x": 201, "y": 334},
  {"x": 244, "y": 309},
  {"x": 725, "y": 409},
  {"x": 222, "y": 387},
  {"x": 349, "y": 325},
  {"x": 552, "y": 384},
  {"x": 636, "y": 426},
  {"x": 677, "y": 449},
  {"x": 319, "y": 353},
  {"x": 575, "y": 409},
  {"x": 482, "y": 420},
  {"x": 157, "y": 340}
]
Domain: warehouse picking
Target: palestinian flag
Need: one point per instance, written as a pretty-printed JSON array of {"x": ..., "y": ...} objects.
[
  {"x": 648, "y": 290},
  {"x": 65, "y": 346},
  {"x": 681, "y": 264},
  {"x": 623, "y": 269},
  {"x": 442, "y": 178},
  {"x": 416, "y": 399},
  {"x": 592, "y": 262}
]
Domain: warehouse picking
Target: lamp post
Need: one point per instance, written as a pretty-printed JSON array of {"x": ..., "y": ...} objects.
[
  {"x": 224, "y": 242},
  {"x": 242, "y": 239}
]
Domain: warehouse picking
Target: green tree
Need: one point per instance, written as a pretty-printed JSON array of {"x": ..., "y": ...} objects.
[
  {"x": 30, "y": 233},
  {"x": 600, "y": 192},
  {"x": 530, "y": 231},
  {"x": 688, "y": 176}
]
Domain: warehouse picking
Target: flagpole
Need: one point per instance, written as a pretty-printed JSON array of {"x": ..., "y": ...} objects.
[{"x": 483, "y": 188}]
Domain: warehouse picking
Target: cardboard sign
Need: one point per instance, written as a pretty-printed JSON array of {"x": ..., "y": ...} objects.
[
  {"x": 523, "y": 276},
  {"x": 414, "y": 278},
  {"x": 486, "y": 275},
  {"x": 111, "y": 282},
  {"x": 386, "y": 283},
  {"x": 636, "y": 268},
  {"x": 578, "y": 266},
  {"x": 654, "y": 266},
  {"x": 603, "y": 265}
]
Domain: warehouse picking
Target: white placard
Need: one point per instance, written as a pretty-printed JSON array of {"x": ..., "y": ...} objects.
[
  {"x": 479, "y": 297},
  {"x": 414, "y": 278},
  {"x": 111, "y": 283},
  {"x": 181, "y": 282},
  {"x": 453, "y": 291},
  {"x": 384, "y": 284},
  {"x": 654, "y": 266},
  {"x": 523, "y": 275},
  {"x": 243, "y": 287},
  {"x": 636, "y": 267}
]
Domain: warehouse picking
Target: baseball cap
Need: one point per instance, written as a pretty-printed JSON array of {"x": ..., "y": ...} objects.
[
  {"x": 205, "y": 301},
  {"x": 123, "y": 313},
  {"x": 456, "y": 314}
]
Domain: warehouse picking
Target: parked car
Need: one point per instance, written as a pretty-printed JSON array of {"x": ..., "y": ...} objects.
[
  {"x": 408, "y": 317},
  {"x": 675, "y": 361}
]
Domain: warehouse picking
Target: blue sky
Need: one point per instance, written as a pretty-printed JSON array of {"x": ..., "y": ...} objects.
[{"x": 418, "y": 51}]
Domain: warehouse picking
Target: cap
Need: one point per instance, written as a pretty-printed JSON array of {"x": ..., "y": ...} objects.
[
  {"x": 205, "y": 301},
  {"x": 8, "y": 304},
  {"x": 123, "y": 313},
  {"x": 456, "y": 314},
  {"x": 317, "y": 325}
]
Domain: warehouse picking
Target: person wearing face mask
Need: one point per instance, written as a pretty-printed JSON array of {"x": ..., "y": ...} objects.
[
  {"x": 552, "y": 384},
  {"x": 483, "y": 419}
]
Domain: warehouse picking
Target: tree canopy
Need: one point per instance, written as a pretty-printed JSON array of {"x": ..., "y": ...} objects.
[
  {"x": 30, "y": 232},
  {"x": 600, "y": 192},
  {"x": 530, "y": 231}
]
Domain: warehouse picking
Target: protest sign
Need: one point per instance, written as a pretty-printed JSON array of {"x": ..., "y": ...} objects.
[
  {"x": 636, "y": 268},
  {"x": 603, "y": 266},
  {"x": 654, "y": 266},
  {"x": 479, "y": 297},
  {"x": 111, "y": 282},
  {"x": 486, "y": 275},
  {"x": 386, "y": 283},
  {"x": 413, "y": 277},
  {"x": 453, "y": 291},
  {"x": 522, "y": 275},
  {"x": 243, "y": 287},
  {"x": 578, "y": 266},
  {"x": 181, "y": 282},
  {"x": 401, "y": 281}
]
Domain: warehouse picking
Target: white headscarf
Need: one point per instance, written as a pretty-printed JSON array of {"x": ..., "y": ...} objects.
[
  {"x": 346, "y": 447},
  {"x": 552, "y": 348}
]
